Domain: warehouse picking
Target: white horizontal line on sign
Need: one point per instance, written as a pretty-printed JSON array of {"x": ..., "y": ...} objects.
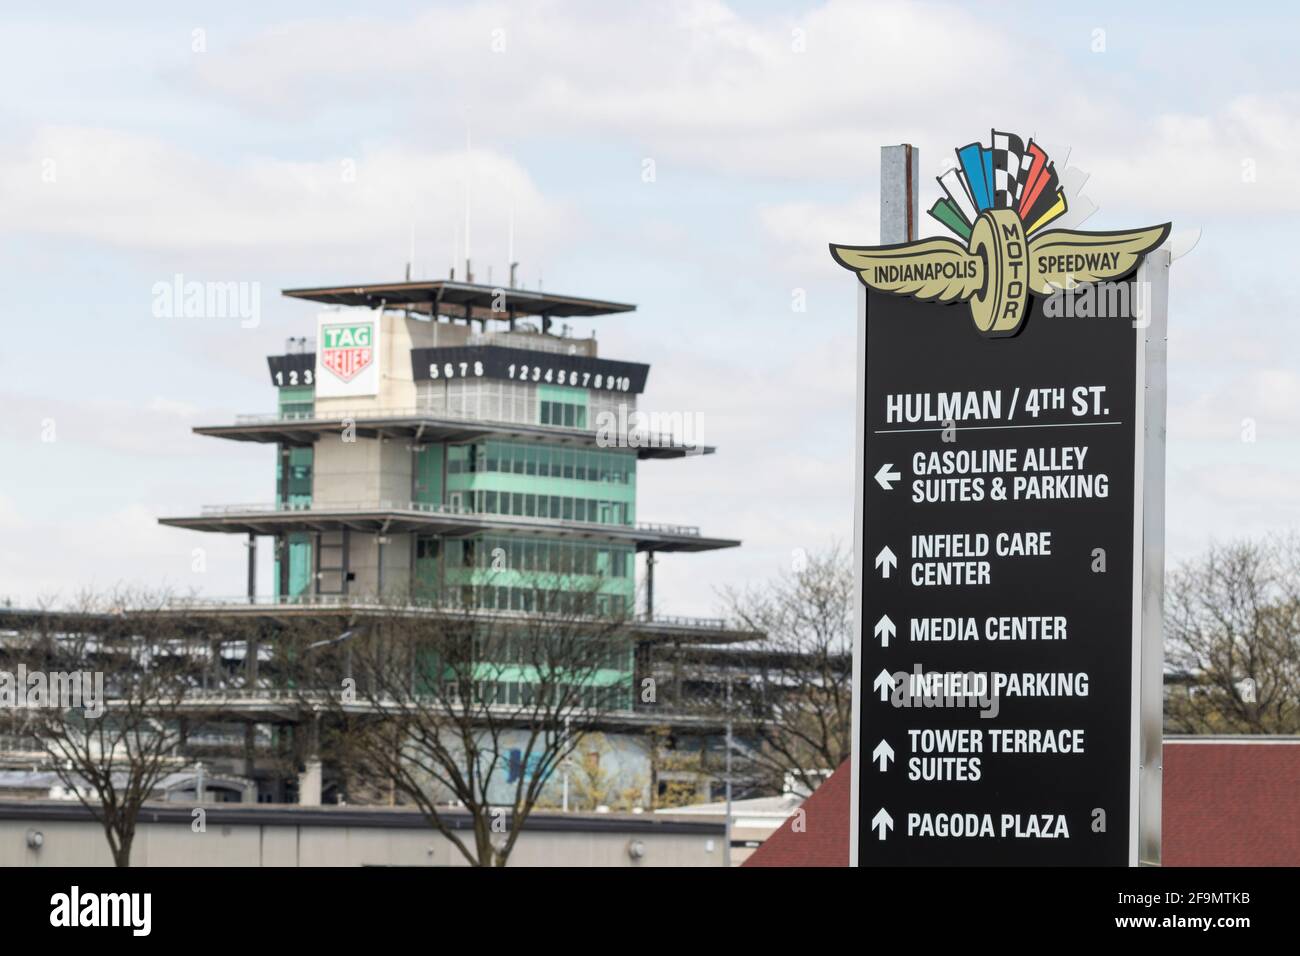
[{"x": 984, "y": 428}]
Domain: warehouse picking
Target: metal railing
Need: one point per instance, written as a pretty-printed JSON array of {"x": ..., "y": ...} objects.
[
  {"x": 346, "y": 506},
  {"x": 250, "y": 693},
  {"x": 532, "y": 342},
  {"x": 681, "y": 530},
  {"x": 361, "y": 602},
  {"x": 677, "y": 620},
  {"x": 370, "y": 414},
  {"x": 378, "y": 704}
]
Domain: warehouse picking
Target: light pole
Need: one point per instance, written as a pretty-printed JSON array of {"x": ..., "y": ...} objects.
[
  {"x": 726, "y": 838},
  {"x": 568, "y": 761}
]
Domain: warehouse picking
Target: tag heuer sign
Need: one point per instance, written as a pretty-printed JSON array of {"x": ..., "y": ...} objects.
[
  {"x": 346, "y": 349},
  {"x": 348, "y": 353}
]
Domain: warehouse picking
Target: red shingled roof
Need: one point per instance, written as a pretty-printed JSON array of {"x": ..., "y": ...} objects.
[
  {"x": 822, "y": 837},
  {"x": 1226, "y": 803},
  {"x": 1231, "y": 804}
]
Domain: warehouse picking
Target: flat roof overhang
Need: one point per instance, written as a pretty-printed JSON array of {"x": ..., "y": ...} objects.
[
  {"x": 380, "y": 520},
  {"x": 667, "y": 629},
  {"x": 446, "y": 297},
  {"x": 288, "y": 708},
  {"x": 426, "y": 428},
  {"x": 206, "y": 612}
]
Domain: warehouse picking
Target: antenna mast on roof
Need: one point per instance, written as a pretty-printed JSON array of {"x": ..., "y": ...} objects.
[
  {"x": 510, "y": 246},
  {"x": 469, "y": 271},
  {"x": 410, "y": 261}
]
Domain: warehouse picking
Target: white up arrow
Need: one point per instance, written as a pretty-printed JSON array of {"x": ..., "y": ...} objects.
[
  {"x": 886, "y": 478},
  {"x": 883, "y": 754},
  {"x": 885, "y": 630},
  {"x": 886, "y": 560},
  {"x": 882, "y": 821},
  {"x": 884, "y": 683}
]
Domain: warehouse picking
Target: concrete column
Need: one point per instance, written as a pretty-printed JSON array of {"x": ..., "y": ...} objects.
[
  {"x": 650, "y": 585},
  {"x": 642, "y": 667},
  {"x": 309, "y": 784},
  {"x": 677, "y": 674},
  {"x": 250, "y": 746},
  {"x": 309, "y": 781},
  {"x": 251, "y": 648},
  {"x": 282, "y": 552},
  {"x": 252, "y": 568}
]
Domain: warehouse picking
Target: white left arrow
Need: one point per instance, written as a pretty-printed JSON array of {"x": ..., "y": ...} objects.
[
  {"x": 886, "y": 560},
  {"x": 885, "y": 630},
  {"x": 884, "y": 683},
  {"x": 883, "y": 754},
  {"x": 886, "y": 477},
  {"x": 882, "y": 821}
]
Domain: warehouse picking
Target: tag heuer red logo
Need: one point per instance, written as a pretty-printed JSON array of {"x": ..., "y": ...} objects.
[{"x": 346, "y": 348}]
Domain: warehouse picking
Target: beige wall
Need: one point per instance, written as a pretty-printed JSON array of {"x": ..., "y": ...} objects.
[
  {"x": 364, "y": 471},
  {"x": 82, "y": 843},
  {"x": 364, "y": 560}
]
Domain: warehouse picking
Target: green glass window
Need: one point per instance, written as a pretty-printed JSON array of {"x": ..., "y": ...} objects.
[{"x": 297, "y": 402}]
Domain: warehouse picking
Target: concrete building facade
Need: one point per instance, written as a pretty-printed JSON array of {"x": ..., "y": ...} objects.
[{"x": 447, "y": 446}]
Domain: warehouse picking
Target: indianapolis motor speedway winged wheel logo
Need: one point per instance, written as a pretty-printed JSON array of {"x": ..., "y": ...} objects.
[{"x": 999, "y": 200}]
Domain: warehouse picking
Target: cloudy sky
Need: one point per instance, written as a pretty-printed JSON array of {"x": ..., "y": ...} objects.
[{"x": 302, "y": 145}]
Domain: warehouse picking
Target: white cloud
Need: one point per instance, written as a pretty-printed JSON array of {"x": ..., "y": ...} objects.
[
  {"x": 1228, "y": 500},
  {"x": 1263, "y": 402},
  {"x": 783, "y": 475},
  {"x": 41, "y": 558},
  {"x": 802, "y": 230},
  {"x": 142, "y": 192},
  {"x": 158, "y": 427},
  {"x": 694, "y": 80},
  {"x": 808, "y": 94},
  {"x": 1244, "y": 157}
]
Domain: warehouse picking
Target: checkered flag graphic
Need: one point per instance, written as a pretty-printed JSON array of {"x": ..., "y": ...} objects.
[{"x": 1010, "y": 168}]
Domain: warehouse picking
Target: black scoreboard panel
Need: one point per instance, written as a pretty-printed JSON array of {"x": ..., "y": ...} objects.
[
  {"x": 996, "y": 685},
  {"x": 292, "y": 370},
  {"x": 525, "y": 365}
]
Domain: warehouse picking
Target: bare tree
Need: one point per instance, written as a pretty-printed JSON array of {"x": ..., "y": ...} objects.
[
  {"x": 1232, "y": 639},
  {"x": 792, "y": 691},
  {"x": 475, "y": 709},
  {"x": 111, "y": 753}
]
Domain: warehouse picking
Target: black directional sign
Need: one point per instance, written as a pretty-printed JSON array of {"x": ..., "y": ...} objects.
[{"x": 997, "y": 664}]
